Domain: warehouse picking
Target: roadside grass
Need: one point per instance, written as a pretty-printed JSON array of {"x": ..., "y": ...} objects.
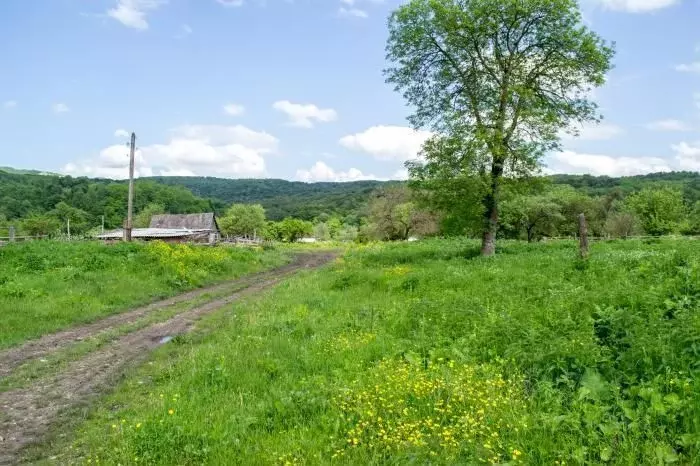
[
  {"x": 424, "y": 353},
  {"x": 46, "y": 286}
]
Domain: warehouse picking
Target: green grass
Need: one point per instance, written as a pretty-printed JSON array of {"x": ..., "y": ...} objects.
[
  {"x": 46, "y": 286},
  {"x": 425, "y": 353}
]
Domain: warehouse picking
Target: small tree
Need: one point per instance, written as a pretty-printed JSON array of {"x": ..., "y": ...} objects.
[
  {"x": 143, "y": 218},
  {"x": 322, "y": 232},
  {"x": 292, "y": 229},
  {"x": 394, "y": 216},
  {"x": 498, "y": 81},
  {"x": 40, "y": 225},
  {"x": 660, "y": 210},
  {"x": 243, "y": 220},
  {"x": 534, "y": 215},
  {"x": 621, "y": 224}
]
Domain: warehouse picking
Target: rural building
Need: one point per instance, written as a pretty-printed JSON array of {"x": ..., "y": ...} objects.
[
  {"x": 203, "y": 224},
  {"x": 173, "y": 228}
]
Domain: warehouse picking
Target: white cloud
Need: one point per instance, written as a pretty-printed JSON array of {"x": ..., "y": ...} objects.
[
  {"x": 230, "y": 3},
  {"x": 322, "y": 172},
  {"x": 132, "y": 13},
  {"x": 669, "y": 125},
  {"x": 577, "y": 163},
  {"x": 388, "y": 142},
  {"x": 60, "y": 108},
  {"x": 595, "y": 132},
  {"x": 187, "y": 29},
  {"x": 234, "y": 109},
  {"x": 304, "y": 115},
  {"x": 354, "y": 12},
  {"x": 688, "y": 155},
  {"x": 689, "y": 67},
  {"x": 229, "y": 151},
  {"x": 10, "y": 104},
  {"x": 636, "y": 6},
  {"x": 696, "y": 99},
  {"x": 121, "y": 133}
]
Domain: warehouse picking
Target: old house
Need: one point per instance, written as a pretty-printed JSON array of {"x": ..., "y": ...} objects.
[{"x": 179, "y": 228}]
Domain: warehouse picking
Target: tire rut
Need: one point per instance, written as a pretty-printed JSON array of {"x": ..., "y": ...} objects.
[{"x": 28, "y": 413}]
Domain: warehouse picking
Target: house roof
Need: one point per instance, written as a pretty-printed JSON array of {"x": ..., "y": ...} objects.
[
  {"x": 204, "y": 221},
  {"x": 152, "y": 233}
]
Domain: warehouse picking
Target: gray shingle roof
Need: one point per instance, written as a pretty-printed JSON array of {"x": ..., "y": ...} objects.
[{"x": 204, "y": 221}]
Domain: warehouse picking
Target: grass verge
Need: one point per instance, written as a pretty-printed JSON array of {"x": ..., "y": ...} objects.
[
  {"x": 424, "y": 353},
  {"x": 47, "y": 286}
]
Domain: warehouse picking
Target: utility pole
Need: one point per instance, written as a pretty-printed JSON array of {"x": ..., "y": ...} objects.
[
  {"x": 130, "y": 208},
  {"x": 68, "y": 227}
]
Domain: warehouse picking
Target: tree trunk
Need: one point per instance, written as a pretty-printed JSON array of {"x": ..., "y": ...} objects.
[{"x": 488, "y": 240}]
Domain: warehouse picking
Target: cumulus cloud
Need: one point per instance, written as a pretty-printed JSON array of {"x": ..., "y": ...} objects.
[
  {"x": 669, "y": 125},
  {"x": 636, "y": 6},
  {"x": 133, "y": 13},
  {"x": 595, "y": 132},
  {"x": 320, "y": 171},
  {"x": 693, "y": 67},
  {"x": 59, "y": 108},
  {"x": 9, "y": 104},
  {"x": 230, "y": 3},
  {"x": 234, "y": 109},
  {"x": 388, "y": 142},
  {"x": 687, "y": 155},
  {"x": 121, "y": 133},
  {"x": 595, "y": 164},
  {"x": 228, "y": 151},
  {"x": 305, "y": 115}
]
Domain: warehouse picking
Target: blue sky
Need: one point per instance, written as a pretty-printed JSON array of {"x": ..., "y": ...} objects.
[{"x": 294, "y": 89}]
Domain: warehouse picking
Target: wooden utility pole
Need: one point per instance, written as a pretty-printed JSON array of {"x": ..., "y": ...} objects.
[
  {"x": 130, "y": 207},
  {"x": 582, "y": 237}
]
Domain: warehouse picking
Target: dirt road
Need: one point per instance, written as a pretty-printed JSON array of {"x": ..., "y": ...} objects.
[{"x": 27, "y": 413}]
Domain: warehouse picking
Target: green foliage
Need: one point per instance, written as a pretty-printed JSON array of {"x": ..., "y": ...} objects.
[
  {"x": 46, "y": 285},
  {"x": 497, "y": 81},
  {"x": 86, "y": 200},
  {"x": 660, "y": 210},
  {"x": 393, "y": 215},
  {"x": 282, "y": 198},
  {"x": 143, "y": 218},
  {"x": 243, "y": 220},
  {"x": 402, "y": 353}
]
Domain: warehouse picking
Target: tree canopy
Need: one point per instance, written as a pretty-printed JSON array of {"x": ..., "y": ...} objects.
[{"x": 497, "y": 82}]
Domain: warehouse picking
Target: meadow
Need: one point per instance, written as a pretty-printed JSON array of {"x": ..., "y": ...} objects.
[
  {"x": 46, "y": 286},
  {"x": 425, "y": 353}
]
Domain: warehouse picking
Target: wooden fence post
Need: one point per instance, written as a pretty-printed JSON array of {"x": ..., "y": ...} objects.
[
  {"x": 12, "y": 234},
  {"x": 583, "y": 237}
]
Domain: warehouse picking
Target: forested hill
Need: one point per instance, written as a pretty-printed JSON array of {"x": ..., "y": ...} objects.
[
  {"x": 283, "y": 198},
  {"x": 601, "y": 185}
]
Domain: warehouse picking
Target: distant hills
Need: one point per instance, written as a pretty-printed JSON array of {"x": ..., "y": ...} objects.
[
  {"x": 282, "y": 198},
  {"x": 19, "y": 171},
  {"x": 23, "y": 192}
]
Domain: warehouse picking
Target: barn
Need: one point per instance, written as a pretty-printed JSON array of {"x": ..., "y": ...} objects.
[{"x": 174, "y": 228}]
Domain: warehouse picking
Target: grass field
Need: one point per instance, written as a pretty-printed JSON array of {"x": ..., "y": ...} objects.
[
  {"x": 425, "y": 353},
  {"x": 46, "y": 286}
]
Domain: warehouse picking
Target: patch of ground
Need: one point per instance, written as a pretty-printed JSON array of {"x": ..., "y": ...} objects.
[{"x": 28, "y": 413}]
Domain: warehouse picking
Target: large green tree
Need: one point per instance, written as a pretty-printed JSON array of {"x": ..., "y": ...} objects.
[
  {"x": 498, "y": 79},
  {"x": 660, "y": 210},
  {"x": 243, "y": 220}
]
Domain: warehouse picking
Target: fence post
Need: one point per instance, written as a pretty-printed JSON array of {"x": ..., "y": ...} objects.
[
  {"x": 12, "y": 233},
  {"x": 583, "y": 236}
]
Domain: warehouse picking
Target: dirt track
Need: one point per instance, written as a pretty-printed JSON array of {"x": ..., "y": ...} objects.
[{"x": 27, "y": 413}]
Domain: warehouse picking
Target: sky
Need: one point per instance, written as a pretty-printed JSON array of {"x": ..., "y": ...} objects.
[{"x": 294, "y": 89}]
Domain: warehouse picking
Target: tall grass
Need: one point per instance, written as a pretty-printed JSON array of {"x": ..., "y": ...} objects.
[
  {"x": 46, "y": 286},
  {"x": 425, "y": 353}
]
